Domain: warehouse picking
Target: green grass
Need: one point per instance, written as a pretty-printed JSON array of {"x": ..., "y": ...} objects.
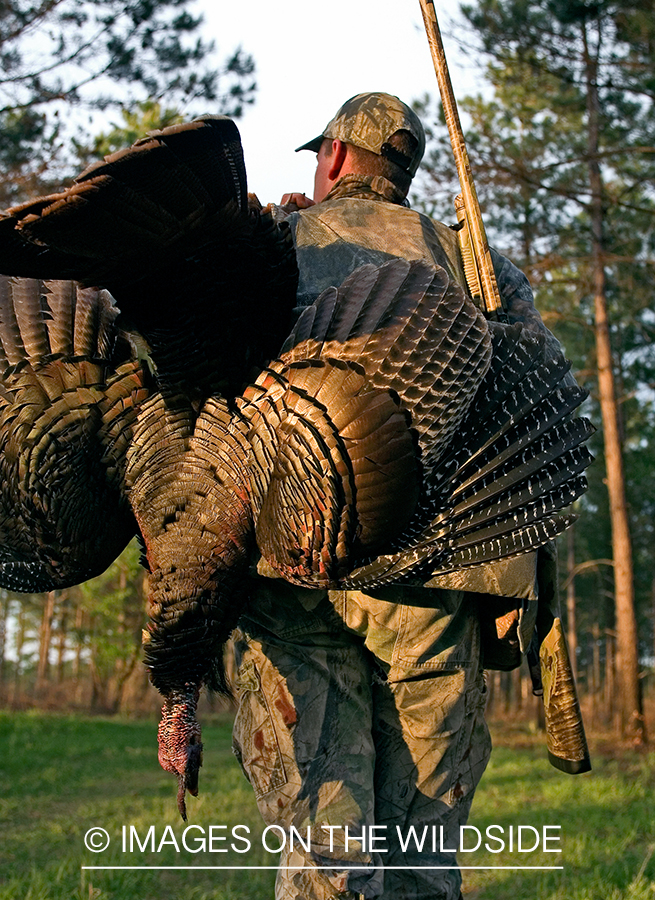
[
  {"x": 607, "y": 820},
  {"x": 60, "y": 776}
]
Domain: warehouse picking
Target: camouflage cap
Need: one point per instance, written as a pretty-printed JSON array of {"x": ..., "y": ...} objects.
[{"x": 368, "y": 121}]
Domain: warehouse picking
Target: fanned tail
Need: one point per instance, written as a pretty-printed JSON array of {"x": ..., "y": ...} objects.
[
  {"x": 373, "y": 375},
  {"x": 415, "y": 333},
  {"x": 195, "y": 265}
]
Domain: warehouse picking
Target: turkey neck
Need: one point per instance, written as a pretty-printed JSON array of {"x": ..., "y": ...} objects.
[
  {"x": 194, "y": 602},
  {"x": 187, "y": 481},
  {"x": 195, "y": 599}
]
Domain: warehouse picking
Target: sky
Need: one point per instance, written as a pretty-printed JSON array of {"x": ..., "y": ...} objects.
[{"x": 310, "y": 59}]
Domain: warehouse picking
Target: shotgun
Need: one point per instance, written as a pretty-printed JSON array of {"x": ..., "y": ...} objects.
[{"x": 548, "y": 656}]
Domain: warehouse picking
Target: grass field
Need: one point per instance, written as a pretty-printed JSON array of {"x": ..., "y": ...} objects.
[{"x": 61, "y": 776}]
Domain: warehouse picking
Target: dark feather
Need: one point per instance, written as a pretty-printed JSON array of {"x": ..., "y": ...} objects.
[{"x": 167, "y": 228}]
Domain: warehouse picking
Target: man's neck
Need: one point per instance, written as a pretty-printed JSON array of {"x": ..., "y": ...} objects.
[{"x": 366, "y": 187}]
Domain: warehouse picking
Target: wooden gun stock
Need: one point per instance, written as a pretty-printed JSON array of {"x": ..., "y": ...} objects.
[
  {"x": 471, "y": 271},
  {"x": 565, "y": 735}
]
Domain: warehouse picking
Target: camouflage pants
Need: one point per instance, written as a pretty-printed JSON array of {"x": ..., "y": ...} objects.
[{"x": 358, "y": 712}]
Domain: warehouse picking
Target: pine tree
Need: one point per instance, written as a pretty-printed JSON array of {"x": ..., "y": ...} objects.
[
  {"x": 564, "y": 160},
  {"x": 61, "y": 61}
]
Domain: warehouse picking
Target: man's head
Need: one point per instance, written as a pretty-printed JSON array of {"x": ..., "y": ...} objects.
[{"x": 372, "y": 134}]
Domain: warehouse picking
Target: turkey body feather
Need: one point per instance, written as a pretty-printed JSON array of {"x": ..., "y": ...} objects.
[{"x": 391, "y": 434}]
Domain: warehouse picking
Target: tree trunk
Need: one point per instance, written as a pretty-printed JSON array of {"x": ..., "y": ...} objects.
[
  {"x": 627, "y": 657},
  {"x": 45, "y": 635},
  {"x": 652, "y": 604},
  {"x": 98, "y": 684},
  {"x": 610, "y": 679},
  {"x": 596, "y": 680},
  {"x": 20, "y": 644},
  {"x": 79, "y": 642},
  {"x": 62, "y": 635}
]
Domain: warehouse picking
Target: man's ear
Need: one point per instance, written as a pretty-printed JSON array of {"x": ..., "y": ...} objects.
[{"x": 338, "y": 158}]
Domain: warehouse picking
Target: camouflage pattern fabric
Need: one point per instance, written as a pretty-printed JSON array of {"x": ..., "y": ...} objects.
[
  {"x": 362, "y": 221},
  {"x": 368, "y": 121},
  {"x": 357, "y": 710},
  {"x": 366, "y": 709}
]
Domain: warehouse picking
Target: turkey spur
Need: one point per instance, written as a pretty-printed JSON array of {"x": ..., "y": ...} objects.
[{"x": 393, "y": 435}]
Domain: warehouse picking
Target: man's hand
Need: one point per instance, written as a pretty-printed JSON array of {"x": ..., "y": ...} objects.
[{"x": 294, "y": 202}]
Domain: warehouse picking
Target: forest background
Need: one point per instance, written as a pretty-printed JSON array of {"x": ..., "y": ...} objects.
[{"x": 561, "y": 134}]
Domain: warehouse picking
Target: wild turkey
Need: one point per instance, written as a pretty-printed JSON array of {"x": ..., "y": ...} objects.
[{"x": 396, "y": 435}]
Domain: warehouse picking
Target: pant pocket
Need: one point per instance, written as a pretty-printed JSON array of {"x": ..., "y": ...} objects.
[{"x": 254, "y": 740}]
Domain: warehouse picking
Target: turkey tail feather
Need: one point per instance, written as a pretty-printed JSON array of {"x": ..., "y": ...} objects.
[
  {"x": 13, "y": 349},
  {"x": 61, "y": 300}
]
